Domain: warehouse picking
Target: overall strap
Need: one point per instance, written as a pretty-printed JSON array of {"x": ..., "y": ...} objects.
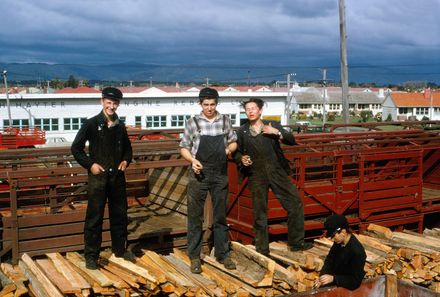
[{"x": 197, "y": 125}]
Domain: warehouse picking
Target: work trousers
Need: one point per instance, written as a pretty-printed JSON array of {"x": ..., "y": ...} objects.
[
  {"x": 265, "y": 175},
  {"x": 215, "y": 181},
  {"x": 107, "y": 185}
]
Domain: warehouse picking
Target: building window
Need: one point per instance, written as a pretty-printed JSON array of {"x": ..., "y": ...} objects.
[
  {"x": 334, "y": 106},
  {"x": 403, "y": 110},
  {"x": 352, "y": 106},
  {"x": 122, "y": 119},
  {"x": 305, "y": 106},
  {"x": 47, "y": 124},
  {"x": 436, "y": 109},
  {"x": 317, "y": 106},
  {"x": 72, "y": 124},
  {"x": 179, "y": 120},
  {"x": 362, "y": 106},
  {"x": 17, "y": 123},
  {"x": 422, "y": 110},
  {"x": 156, "y": 121},
  {"x": 233, "y": 118},
  {"x": 138, "y": 121}
]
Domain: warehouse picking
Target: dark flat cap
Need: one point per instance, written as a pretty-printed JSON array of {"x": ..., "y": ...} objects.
[
  {"x": 208, "y": 93},
  {"x": 112, "y": 93},
  {"x": 335, "y": 223}
]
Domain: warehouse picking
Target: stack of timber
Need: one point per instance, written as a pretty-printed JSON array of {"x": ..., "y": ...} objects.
[
  {"x": 410, "y": 256},
  {"x": 407, "y": 256}
]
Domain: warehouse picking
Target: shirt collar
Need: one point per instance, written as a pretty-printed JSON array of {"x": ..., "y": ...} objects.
[{"x": 216, "y": 118}]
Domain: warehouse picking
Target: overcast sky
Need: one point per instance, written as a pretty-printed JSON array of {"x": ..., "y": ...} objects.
[{"x": 249, "y": 32}]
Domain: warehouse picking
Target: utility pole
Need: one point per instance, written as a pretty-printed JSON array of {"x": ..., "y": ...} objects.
[
  {"x": 324, "y": 96},
  {"x": 344, "y": 67},
  {"x": 5, "y": 80},
  {"x": 289, "y": 96}
]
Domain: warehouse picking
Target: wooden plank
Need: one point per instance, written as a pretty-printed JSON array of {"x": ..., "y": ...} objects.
[
  {"x": 280, "y": 252},
  {"x": 133, "y": 268},
  {"x": 39, "y": 280},
  {"x": 96, "y": 275},
  {"x": 56, "y": 277},
  {"x": 182, "y": 284},
  {"x": 125, "y": 275},
  {"x": 118, "y": 282},
  {"x": 420, "y": 241},
  {"x": 66, "y": 269},
  {"x": 384, "y": 232},
  {"x": 17, "y": 277},
  {"x": 206, "y": 285},
  {"x": 208, "y": 272}
]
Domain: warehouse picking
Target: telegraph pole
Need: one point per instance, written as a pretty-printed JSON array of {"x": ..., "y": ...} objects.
[
  {"x": 289, "y": 96},
  {"x": 324, "y": 96},
  {"x": 344, "y": 67},
  {"x": 5, "y": 80}
]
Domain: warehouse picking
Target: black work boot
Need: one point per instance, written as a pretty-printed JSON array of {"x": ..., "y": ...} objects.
[
  {"x": 302, "y": 247},
  {"x": 127, "y": 255},
  {"x": 91, "y": 264},
  {"x": 228, "y": 263},
  {"x": 196, "y": 266}
]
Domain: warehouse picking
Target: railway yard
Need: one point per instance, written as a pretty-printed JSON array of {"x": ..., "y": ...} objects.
[{"x": 386, "y": 182}]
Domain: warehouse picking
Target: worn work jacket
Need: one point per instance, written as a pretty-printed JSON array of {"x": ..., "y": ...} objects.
[
  {"x": 108, "y": 146},
  {"x": 243, "y": 135}
]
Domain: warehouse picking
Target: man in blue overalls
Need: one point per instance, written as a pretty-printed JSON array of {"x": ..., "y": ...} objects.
[{"x": 207, "y": 141}]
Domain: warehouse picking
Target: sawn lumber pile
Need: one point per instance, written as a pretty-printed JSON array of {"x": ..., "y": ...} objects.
[{"x": 410, "y": 256}]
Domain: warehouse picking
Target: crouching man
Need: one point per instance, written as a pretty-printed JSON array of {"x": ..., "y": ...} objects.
[{"x": 344, "y": 264}]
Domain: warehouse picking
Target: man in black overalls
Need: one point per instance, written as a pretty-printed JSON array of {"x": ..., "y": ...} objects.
[
  {"x": 261, "y": 158},
  {"x": 207, "y": 141},
  {"x": 110, "y": 153}
]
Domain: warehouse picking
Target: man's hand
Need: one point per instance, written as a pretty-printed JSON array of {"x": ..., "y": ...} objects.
[
  {"x": 325, "y": 279},
  {"x": 96, "y": 169},
  {"x": 123, "y": 165},
  {"x": 268, "y": 129},
  {"x": 246, "y": 160},
  {"x": 196, "y": 166}
]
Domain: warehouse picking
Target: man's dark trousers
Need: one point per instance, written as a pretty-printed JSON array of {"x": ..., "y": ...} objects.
[
  {"x": 269, "y": 174},
  {"x": 214, "y": 180},
  {"x": 111, "y": 185}
]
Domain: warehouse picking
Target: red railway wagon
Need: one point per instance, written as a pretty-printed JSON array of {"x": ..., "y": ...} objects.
[
  {"x": 387, "y": 177},
  {"x": 12, "y": 138}
]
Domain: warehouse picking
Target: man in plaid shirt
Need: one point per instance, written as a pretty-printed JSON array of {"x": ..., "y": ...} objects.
[{"x": 207, "y": 142}]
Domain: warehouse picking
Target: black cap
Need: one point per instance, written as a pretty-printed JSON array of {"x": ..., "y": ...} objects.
[
  {"x": 335, "y": 223},
  {"x": 208, "y": 93},
  {"x": 111, "y": 93}
]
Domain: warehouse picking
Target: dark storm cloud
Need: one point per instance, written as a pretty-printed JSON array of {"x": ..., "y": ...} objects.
[{"x": 277, "y": 32}]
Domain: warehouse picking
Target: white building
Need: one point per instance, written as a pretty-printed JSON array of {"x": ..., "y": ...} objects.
[
  {"x": 412, "y": 106},
  {"x": 61, "y": 114}
]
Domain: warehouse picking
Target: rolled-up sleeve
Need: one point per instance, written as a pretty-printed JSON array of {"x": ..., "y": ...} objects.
[
  {"x": 232, "y": 135},
  {"x": 188, "y": 132}
]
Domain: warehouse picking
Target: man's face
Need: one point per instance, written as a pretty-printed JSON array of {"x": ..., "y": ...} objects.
[
  {"x": 253, "y": 113},
  {"x": 339, "y": 237},
  {"x": 109, "y": 106},
  {"x": 209, "y": 108}
]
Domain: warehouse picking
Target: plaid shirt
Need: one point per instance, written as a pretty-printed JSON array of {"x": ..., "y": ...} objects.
[{"x": 191, "y": 135}]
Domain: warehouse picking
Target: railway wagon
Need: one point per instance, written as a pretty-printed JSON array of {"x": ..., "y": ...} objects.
[{"x": 391, "y": 178}]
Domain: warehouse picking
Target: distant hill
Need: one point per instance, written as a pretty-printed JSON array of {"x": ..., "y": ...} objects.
[{"x": 133, "y": 71}]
